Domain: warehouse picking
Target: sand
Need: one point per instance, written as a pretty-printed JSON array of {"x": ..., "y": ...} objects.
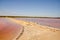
[{"x": 34, "y": 31}]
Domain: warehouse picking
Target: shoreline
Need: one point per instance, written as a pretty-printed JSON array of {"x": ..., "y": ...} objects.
[{"x": 29, "y": 17}]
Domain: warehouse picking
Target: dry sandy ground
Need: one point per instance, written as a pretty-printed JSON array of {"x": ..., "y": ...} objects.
[{"x": 34, "y": 31}]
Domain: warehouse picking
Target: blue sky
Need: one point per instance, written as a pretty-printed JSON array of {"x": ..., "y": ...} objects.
[{"x": 49, "y": 8}]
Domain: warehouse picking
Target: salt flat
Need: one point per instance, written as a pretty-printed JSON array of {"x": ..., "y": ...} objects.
[{"x": 31, "y": 30}]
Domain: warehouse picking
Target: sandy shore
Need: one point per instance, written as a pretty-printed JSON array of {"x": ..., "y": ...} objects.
[{"x": 34, "y": 31}]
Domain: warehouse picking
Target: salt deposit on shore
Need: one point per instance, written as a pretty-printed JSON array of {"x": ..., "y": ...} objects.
[{"x": 34, "y": 31}]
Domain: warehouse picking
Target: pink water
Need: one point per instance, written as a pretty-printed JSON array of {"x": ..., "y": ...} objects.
[{"x": 43, "y": 21}]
